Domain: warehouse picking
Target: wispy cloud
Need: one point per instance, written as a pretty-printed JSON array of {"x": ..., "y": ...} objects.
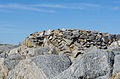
[
  {"x": 116, "y": 8},
  {"x": 24, "y": 7},
  {"x": 50, "y": 5},
  {"x": 46, "y": 7},
  {"x": 59, "y": 6},
  {"x": 91, "y": 5},
  {"x": 7, "y": 26},
  {"x": 68, "y": 6},
  {"x": 116, "y": 1}
]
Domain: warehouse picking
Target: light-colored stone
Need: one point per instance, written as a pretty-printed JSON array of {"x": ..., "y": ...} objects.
[
  {"x": 116, "y": 65},
  {"x": 15, "y": 50},
  {"x": 68, "y": 41},
  {"x": 89, "y": 66},
  {"x": 3, "y": 69},
  {"x": 113, "y": 45},
  {"x": 40, "y": 67},
  {"x": 12, "y": 60},
  {"x": 27, "y": 69}
]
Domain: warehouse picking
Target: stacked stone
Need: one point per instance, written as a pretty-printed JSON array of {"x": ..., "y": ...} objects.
[{"x": 70, "y": 40}]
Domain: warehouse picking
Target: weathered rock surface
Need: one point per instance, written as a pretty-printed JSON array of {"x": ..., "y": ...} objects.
[
  {"x": 12, "y": 60},
  {"x": 62, "y": 54},
  {"x": 117, "y": 64},
  {"x": 3, "y": 69},
  {"x": 7, "y": 47},
  {"x": 40, "y": 67},
  {"x": 96, "y": 63}
]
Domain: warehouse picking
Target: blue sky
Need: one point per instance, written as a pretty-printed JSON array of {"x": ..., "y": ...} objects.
[{"x": 19, "y": 18}]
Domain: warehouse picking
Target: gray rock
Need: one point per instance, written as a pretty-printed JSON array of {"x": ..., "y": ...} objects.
[
  {"x": 11, "y": 61},
  {"x": 52, "y": 64},
  {"x": 116, "y": 66},
  {"x": 10, "y": 64},
  {"x": 3, "y": 69},
  {"x": 61, "y": 45},
  {"x": 116, "y": 51},
  {"x": 38, "y": 51},
  {"x": 95, "y": 32},
  {"x": 76, "y": 33},
  {"x": 105, "y": 39},
  {"x": 113, "y": 45},
  {"x": 26, "y": 69},
  {"x": 91, "y": 65},
  {"x": 66, "y": 49},
  {"x": 75, "y": 53},
  {"x": 91, "y": 38},
  {"x": 67, "y": 33},
  {"x": 40, "y": 67},
  {"x": 78, "y": 44},
  {"x": 68, "y": 41},
  {"x": 83, "y": 36},
  {"x": 53, "y": 50},
  {"x": 48, "y": 32},
  {"x": 3, "y": 55},
  {"x": 7, "y": 47}
]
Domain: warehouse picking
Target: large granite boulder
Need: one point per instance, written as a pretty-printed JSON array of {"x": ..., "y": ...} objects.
[
  {"x": 40, "y": 67},
  {"x": 97, "y": 64},
  {"x": 12, "y": 60}
]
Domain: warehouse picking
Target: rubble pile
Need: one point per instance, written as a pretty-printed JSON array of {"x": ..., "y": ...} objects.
[{"x": 69, "y": 41}]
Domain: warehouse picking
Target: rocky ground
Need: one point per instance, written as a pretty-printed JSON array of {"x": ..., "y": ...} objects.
[{"x": 62, "y": 54}]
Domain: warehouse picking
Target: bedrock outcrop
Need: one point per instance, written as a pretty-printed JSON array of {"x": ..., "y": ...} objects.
[{"x": 62, "y": 54}]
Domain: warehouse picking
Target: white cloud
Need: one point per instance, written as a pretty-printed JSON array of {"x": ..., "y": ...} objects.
[
  {"x": 68, "y": 6},
  {"x": 116, "y": 8},
  {"x": 46, "y": 7},
  {"x": 24, "y": 7},
  {"x": 91, "y": 5},
  {"x": 50, "y": 5}
]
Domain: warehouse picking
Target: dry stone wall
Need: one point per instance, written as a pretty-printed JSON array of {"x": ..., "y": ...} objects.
[{"x": 70, "y": 40}]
